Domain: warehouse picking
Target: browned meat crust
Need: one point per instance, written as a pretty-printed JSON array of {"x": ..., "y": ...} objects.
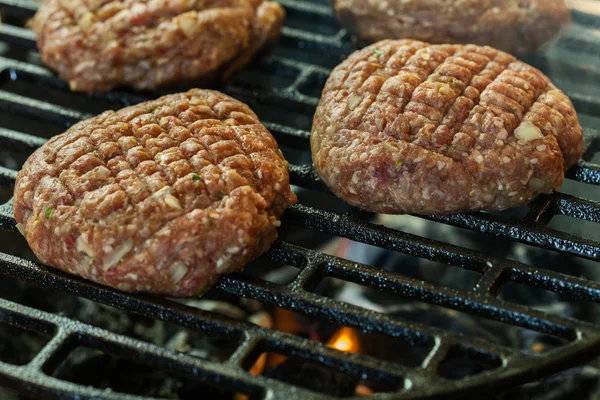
[
  {"x": 160, "y": 197},
  {"x": 97, "y": 45},
  {"x": 515, "y": 26},
  {"x": 408, "y": 127}
]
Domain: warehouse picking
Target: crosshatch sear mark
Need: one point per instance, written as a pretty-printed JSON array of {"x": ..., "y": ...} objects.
[
  {"x": 164, "y": 241},
  {"x": 401, "y": 151}
]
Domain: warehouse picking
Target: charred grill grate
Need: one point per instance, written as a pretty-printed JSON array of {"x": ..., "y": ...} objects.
[{"x": 311, "y": 44}]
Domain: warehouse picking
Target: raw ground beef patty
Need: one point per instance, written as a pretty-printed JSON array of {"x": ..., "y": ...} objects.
[
  {"x": 97, "y": 45},
  {"x": 159, "y": 197},
  {"x": 515, "y": 26},
  {"x": 408, "y": 127}
]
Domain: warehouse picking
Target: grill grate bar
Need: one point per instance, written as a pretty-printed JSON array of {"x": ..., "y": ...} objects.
[
  {"x": 490, "y": 282},
  {"x": 19, "y": 9},
  {"x": 568, "y": 286},
  {"x": 288, "y": 136},
  {"x": 145, "y": 353},
  {"x": 8, "y": 177},
  {"x": 243, "y": 350},
  {"x": 179, "y": 363},
  {"x": 18, "y": 70},
  {"x": 577, "y": 208},
  {"x": 209, "y": 322},
  {"x": 350, "y": 315},
  {"x": 454, "y": 299},
  {"x": 585, "y": 172},
  {"x": 122, "y": 346},
  {"x": 391, "y": 239},
  {"x": 413, "y": 245},
  {"x": 572, "y": 287},
  {"x": 303, "y": 278},
  {"x": 48, "y": 356},
  {"x": 292, "y": 97},
  {"x": 436, "y": 356},
  {"x": 307, "y": 7},
  {"x": 326, "y": 42},
  {"x": 8, "y": 137},
  {"x": 191, "y": 318},
  {"x": 419, "y": 382},
  {"x": 17, "y": 104},
  {"x": 17, "y": 36},
  {"x": 188, "y": 317},
  {"x": 528, "y": 233},
  {"x": 301, "y": 66}
]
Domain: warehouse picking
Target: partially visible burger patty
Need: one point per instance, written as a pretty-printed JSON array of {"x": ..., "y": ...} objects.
[
  {"x": 408, "y": 127},
  {"x": 160, "y": 197},
  {"x": 97, "y": 45},
  {"x": 515, "y": 26}
]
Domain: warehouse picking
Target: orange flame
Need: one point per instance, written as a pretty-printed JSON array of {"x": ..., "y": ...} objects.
[
  {"x": 345, "y": 340},
  {"x": 259, "y": 365},
  {"x": 257, "y": 369}
]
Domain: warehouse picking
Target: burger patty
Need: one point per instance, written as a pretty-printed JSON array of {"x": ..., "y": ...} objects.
[
  {"x": 160, "y": 197},
  {"x": 97, "y": 45},
  {"x": 513, "y": 26},
  {"x": 408, "y": 127}
]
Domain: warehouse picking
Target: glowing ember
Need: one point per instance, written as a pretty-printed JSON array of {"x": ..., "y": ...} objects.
[{"x": 345, "y": 340}]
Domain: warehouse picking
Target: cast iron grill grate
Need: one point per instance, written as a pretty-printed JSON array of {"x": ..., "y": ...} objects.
[{"x": 291, "y": 80}]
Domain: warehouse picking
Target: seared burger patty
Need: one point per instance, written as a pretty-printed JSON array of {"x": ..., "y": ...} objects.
[
  {"x": 513, "y": 26},
  {"x": 97, "y": 45},
  {"x": 160, "y": 197},
  {"x": 408, "y": 127}
]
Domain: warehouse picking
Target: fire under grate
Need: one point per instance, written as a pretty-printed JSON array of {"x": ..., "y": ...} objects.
[{"x": 291, "y": 80}]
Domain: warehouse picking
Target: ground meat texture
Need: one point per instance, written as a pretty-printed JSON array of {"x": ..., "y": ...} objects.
[
  {"x": 408, "y": 127},
  {"x": 97, "y": 45},
  {"x": 514, "y": 26},
  {"x": 160, "y": 197}
]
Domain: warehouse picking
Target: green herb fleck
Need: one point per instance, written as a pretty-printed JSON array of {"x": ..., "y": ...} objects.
[
  {"x": 155, "y": 110},
  {"x": 391, "y": 146},
  {"x": 201, "y": 292},
  {"x": 454, "y": 81},
  {"x": 48, "y": 212},
  {"x": 379, "y": 52},
  {"x": 399, "y": 164},
  {"x": 195, "y": 177},
  {"x": 221, "y": 113},
  {"x": 437, "y": 73}
]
